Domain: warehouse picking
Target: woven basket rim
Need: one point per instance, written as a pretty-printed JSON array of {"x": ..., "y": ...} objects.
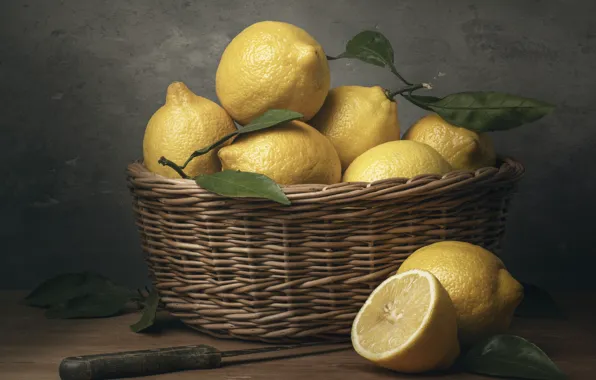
[{"x": 508, "y": 170}]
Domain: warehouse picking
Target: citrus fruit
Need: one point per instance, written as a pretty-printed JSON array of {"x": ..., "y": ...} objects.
[
  {"x": 462, "y": 148},
  {"x": 394, "y": 159},
  {"x": 272, "y": 65},
  {"x": 407, "y": 324},
  {"x": 185, "y": 123},
  {"x": 484, "y": 293},
  {"x": 355, "y": 119},
  {"x": 291, "y": 153}
]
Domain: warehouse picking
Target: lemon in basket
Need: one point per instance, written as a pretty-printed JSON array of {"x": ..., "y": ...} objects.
[
  {"x": 393, "y": 159},
  {"x": 271, "y": 65},
  {"x": 292, "y": 153},
  {"x": 185, "y": 123},
  {"x": 407, "y": 324},
  {"x": 462, "y": 148},
  {"x": 483, "y": 292},
  {"x": 355, "y": 119}
]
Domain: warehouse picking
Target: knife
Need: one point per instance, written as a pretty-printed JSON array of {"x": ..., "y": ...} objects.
[{"x": 157, "y": 361}]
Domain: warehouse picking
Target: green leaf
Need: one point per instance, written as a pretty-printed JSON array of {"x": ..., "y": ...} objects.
[
  {"x": 537, "y": 303},
  {"x": 370, "y": 47},
  {"x": 149, "y": 313},
  {"x": 232, "y": 183},
  {"x": 484, "y": 111},
  {"x": 510, "y": 356},
  {"x": 59, "y": 289},
  {"x": 90, "y": 306},
  {"x": 270, "y": 119}
]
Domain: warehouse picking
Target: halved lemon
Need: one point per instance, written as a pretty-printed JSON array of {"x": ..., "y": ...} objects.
[{"x": 408, "y": 324}]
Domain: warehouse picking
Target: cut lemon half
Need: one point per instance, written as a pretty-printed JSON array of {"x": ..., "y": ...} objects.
[{"x": 408, "y": 324}]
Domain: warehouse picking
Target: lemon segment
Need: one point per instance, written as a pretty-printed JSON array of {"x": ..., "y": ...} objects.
[{"x": 407, "y": 324}]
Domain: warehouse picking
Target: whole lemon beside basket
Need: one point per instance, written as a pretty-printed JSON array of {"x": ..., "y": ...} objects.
[{"x": 484, "y": 293}]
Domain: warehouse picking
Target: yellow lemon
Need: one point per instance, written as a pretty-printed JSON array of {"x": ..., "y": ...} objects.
[
  {"x": 484, "y": 293},
  {"x": 408, "y": 324},
  {"x": 272, "y": 65},
  {"x": 462, "y": 148},
  {"x": 185, "y": 123},
  {"x": 402, "y": 158},
  {"x": 292, "y": 153},
  {"x": 355, "y": 119}
]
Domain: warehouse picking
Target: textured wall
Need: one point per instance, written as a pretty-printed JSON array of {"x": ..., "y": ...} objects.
[{"x": 80, "y": 79}]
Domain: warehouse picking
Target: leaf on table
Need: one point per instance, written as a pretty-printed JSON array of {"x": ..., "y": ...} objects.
[
  {"x": 484, "y": 111},
  {"x": 538, "y": 303},
  {"x": 370, "y": 47},
  {"x": 270, "y": 119},
  {"x": 149, "y": 312},
  {"x": 92, "y": 305},
  {"x": 510, "y": 356},
  {"x": 237, "y": 184},
  {"x": 61, "y": 288}
]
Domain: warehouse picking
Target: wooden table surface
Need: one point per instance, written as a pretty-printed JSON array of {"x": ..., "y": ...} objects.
[{"x": 31, "y": 346}]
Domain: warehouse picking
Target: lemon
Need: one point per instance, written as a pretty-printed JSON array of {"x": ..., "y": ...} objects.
[
  {"x": 292, "y": 153},
  {"x": 355, "y": 119},
  {"x": 484, "y": 293},
  {"x": 185, "y": 123},
  {"x": 407, "y": 324},
  {"x": 272, "y": 65},
  {"x": 462, "y": 148},
  {"x": 394, "y": 159}
]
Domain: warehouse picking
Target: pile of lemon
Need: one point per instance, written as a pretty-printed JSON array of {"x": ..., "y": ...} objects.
[
  {"x": 349, "y": 133},
  {"x": 445, "y": 295}
]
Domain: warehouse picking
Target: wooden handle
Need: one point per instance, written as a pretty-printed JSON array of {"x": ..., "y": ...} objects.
[{"x": 139, "y": 363}]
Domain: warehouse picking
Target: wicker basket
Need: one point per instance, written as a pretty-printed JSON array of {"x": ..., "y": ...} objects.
[{"x": 257, "y": 270}]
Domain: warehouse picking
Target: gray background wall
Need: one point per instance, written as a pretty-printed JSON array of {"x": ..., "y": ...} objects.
[{"x": 80, "y": 79}]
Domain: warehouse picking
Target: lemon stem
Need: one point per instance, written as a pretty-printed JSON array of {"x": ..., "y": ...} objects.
[
  {"x": 409, "y": 88},
  {"x": 165, "y": 162},
  {"x": 394, "y": 71},
  {"x": 200, "y": 152}
]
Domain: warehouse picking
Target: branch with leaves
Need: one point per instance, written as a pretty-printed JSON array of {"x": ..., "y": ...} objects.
[
  {"x": 480, "y": 111},
  {"x": 235, "y": 183}
]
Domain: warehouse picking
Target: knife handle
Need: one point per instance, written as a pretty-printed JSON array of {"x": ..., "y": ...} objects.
[{"x": 139, "y": 363}]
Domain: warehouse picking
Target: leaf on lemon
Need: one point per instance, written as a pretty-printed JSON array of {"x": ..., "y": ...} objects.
[
  {"x": 484, "y": 111},
  {"x": 237, "y": 184},
  {"x": 270, "y": 119},
  {"x": 510, "y": 356}
]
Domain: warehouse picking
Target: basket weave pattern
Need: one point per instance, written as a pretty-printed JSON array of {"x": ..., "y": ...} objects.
[{"x": 257, "y": 270}]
